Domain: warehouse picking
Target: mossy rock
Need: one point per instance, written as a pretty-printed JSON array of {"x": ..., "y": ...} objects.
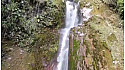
[{"x": 103, "y": 39}]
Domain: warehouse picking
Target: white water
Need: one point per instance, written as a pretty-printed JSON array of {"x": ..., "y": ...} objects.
[{"x": 71, "y": 20}]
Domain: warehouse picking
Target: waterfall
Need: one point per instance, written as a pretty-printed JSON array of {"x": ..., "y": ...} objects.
[{"x": 72, "y": 19}]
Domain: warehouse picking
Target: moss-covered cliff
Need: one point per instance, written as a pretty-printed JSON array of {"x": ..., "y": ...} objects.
[{"x": 98, "y": 43}]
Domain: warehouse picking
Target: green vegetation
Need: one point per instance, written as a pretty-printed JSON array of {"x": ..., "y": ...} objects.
[
  {"x": 73, "y": 55},
  {"x": 22, "y": 21},
  {"x": 50, "y": 16},
  {"x": 120, "y": 6},
  {"x": 16, "y": 22},
  {"x": 31, "y": 27},
  {"x": 117, "y": 6}
]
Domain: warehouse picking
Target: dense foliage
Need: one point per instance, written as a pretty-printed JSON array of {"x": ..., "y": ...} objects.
[
  {"x": 120, "y": 6},
  {"x": 15, "y": 19},
  {"x": 21, "y": 20},
  {"x": 50, "y": 15},
  {"x": 116, "y": 5}
]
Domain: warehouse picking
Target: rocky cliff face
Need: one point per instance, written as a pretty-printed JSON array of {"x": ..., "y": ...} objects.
[{"x": 98, "y": 43}]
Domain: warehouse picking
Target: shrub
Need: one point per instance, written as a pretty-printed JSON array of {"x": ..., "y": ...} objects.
[
  {"x": 21, "y": 21},
  {"x": 120, "y": 8},
  {"x": 17, "y": 23}
]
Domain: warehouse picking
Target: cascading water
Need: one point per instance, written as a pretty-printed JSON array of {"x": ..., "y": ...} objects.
[{"x": 71, "y": 20}]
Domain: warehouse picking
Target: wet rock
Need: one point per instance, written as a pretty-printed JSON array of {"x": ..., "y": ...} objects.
[{"x": 98, "y": 43}]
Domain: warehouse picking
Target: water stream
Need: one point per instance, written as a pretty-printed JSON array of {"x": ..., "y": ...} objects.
[{"x": 72, "y": 19}]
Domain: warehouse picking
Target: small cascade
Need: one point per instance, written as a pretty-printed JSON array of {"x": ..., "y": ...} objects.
[{"x": 72, "y": 19}]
